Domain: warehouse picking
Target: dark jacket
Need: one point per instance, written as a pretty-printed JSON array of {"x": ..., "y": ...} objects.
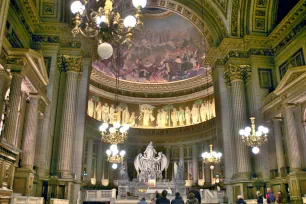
[
  {"x": 197, "y": 194},
  {"x": 260, "y": 199},
  {"x": 192, "y": 201},
  {"x": 177, "y": 200},
  {"x": 279, "y": 198},
  {"x": 162, "y": 200},
  {"x": 240, "y": 201}
]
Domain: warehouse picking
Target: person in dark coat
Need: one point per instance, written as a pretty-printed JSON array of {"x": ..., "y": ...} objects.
[
  {"x": 240, "y": 200},
  {"x": 163, "y": 199},
  {"x": 178, "y": 199},
  {"x": 280, "y": 197},
  {"x": 196, "y": 193},
  {"x": 259, "y": 197}
]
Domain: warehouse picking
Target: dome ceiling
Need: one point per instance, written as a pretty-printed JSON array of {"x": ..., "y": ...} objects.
[{"x": 168, "y": 49}]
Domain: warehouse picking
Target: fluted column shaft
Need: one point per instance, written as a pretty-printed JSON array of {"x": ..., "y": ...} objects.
[
  {"x": 194, "y": 163},
  {"x": 207, "y": 174},
  {"x": 240, "y": 118},
  {"x": 68, "y": 119},
  {"x": 100, "y": 162},
  {"x": 281, "y": 163},
  {"x": 89, "y": 159},
  {"x": 3, "y": 82},
  {"x": 168, "y": 157},
  {"x": 30, "y": 130},
  {"x": 295, "y": 160},
  {"x": 10, "y": 132},
  {"x": 182, "y": 155}
]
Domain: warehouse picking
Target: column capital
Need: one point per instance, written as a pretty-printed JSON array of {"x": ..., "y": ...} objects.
[
  {"x": 74, "y": 63},
  {"x": 237, "y": 72},
  {"x": 289, "y": 106}
]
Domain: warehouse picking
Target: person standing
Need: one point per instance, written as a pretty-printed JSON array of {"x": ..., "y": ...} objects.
[
  {"x": 259, "y": 197},
  {"x": 196, "y": 193},
  {"x": 240, "y": 200},
  {"x": 192, "y": 199},
  {"x": 163, "y": 199},
  {"x": 270, "y": 196},
  {"x": 280, "y": 197},
  {"x": 178, "y": 199},
  {"x": 142, "y": 201}
]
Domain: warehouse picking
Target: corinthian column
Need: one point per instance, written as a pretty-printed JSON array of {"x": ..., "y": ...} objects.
[
  {"x": 236, "y": 75},
  {"x": 68, "y": 117},
  {"x": 281, "y": 164},
  {"x": 30, "y": 130},
  {"x": 295, "y": 160},
  {"x": 3, "y": 82},
  {"x": 10, "y": 130},
  {"x": 194, "y": 163}
]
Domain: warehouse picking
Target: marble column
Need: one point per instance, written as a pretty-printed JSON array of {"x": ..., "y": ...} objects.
[
  {"x": 89, "y": 158},
  {"x": 182, "y": 155},
  {"x": 30, "y": 130},
  {"x": 295, "y": 157},
  {"x": 3, "y": 83},
  {"x": 22, "y": 114},
  {"x": 10, "y": 130},
  {"x": 99, "y": 163},
  {"x": 236, "y": 75},
  {"x": 194, "y": 163},
  {"x": 168, "y": 157},
  {"x": 279, "y": 148},
  {"x": 67, "y": 131},
  {"x": 4, "y": 6},
  {"x": 207, "y": 174}
]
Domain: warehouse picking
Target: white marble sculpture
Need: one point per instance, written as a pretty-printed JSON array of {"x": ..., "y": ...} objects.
[
  {"x": 125, "y": 116},
  {"x": 149, "y": 166},
  {"x": 188, "y": 116},
  {"x": 163, "y": 118},
  {"x": 178, "y": 171},
  {"x": 203, "y": 112},
  {"x": 181, "y": 116},
  {"x": 105, "y": 112},
  {"x": 112, "y": 111},
  {"x": 174, "y": 117},
  {"x": 195, "y": 114},
  {"x": 98, "y": 111},
  {"x": 91, "y": 108},
  {"x": 132, "y": 120}
]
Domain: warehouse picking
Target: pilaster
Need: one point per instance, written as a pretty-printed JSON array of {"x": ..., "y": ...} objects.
[
  {"x": 100, "y": 162},
  {"x": 89, "y": 159}
]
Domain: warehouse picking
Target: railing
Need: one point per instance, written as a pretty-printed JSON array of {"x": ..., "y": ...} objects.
[
  {"x": 58, "y": 201},
  {"x": 98, "y": 195},
  {"x": 26, "y": 200}
]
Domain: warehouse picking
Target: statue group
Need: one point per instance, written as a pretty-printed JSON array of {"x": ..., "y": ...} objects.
[
  {"x": 149, "y": 166},
  {"x": 169, "y": 116}
]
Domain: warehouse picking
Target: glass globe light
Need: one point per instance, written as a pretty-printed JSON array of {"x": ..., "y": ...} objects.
[
  {"x": 115, "y": 152},
  {"x": 203, "y": 155},
  {"x": 108, "y": 152},
  {"x": 219, "y": 154},
  {"x": 242, "y": 132},
  {"x": 112, "y": 130},
  {"x": 100, "y": 19},
  {"x": 101, "y": 128},
  {"x": 139, "y": 3},
  {"x": 265, "y": 130},
  {"x": 114, "y": 166},
  {"x": 247, "y": 129},
  {"x": 121, "y": 130},
  {"x": 258, "y": 133},
  {"x": 261, "y": 128},
  {"x": 129, "y": 21},
  {"x": 255, "y": 150},
  {"x": 113, "y": 147},
  {"x": 105, "y": 50},
  {"x": 76, "y": 6},
  {"x": 214, "y": 154},
  {"x": 117, "y": 125},
  {"x": 122, "y": 153},
  {"x": 126, "y": 126},
  {"x": 211, "y": 167}
]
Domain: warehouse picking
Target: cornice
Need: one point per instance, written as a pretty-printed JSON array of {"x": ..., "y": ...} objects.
[
  {"x": 183, "y": 86},
  {"x": 137, "y": 100}
]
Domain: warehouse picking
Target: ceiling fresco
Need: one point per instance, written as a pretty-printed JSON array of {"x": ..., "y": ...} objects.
[{"x": 166, "y": 50}]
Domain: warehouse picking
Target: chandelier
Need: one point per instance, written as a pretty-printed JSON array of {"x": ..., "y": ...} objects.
[
  {"x": 93, "y": 19},
  {"x": 211, "y": 157},
  {"x": 254, "y": 138},
  {"x": 114, "y": 156},
  {"x": 114, "y": 135}
]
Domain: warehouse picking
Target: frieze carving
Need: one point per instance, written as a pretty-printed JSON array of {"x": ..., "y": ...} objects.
[{"x": 237, "y": 72}]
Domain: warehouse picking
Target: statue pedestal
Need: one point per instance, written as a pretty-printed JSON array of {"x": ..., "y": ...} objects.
[{"x": 180, "y": 187}]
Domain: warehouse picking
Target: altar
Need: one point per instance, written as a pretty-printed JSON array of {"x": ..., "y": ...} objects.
[{"x": 149, "y": 167}]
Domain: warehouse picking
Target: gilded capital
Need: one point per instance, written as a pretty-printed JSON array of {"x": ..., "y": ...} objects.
[
  {"x": 67, "y": 63},
  {"x": 237, "y": 72}
]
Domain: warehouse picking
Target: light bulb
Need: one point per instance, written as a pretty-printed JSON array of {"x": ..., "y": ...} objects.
[
  {"x": 117, "y": 125},
  {"x": 115, "y": 152},
  {"x": 255, "y": 150},
  {"x": 247, "y": 129},
  {"x": 261, "y": 128},
  {"x": 76, "y": 6},
  {"x": 126, "y": 126},
  {"x": 122, "y": 153},
  {"x": 114, "y": 166},
  {"x": 258, "y": 133},
  {"x": 242, "y": 132},
  {"x": 105, "y": 50},
  {"x": 203, "y": 155},
  {"x": 113, "y": 148},
  {"x": 265, "y": 130},
  {"x": 101, "y": 128},
  {"x": 129, "y": 21},
  {"x": 105, "y": 125},
  {"x": 112, "y": 130},
  {"x": 100, "y": 19},
  {"x": 139, "y": 3},
  {"x": 219, "y": 154},
  {"x": 108, "y": 152},
  {"x": 211, "y": 167},
  {"x": 121, "y": 130}
]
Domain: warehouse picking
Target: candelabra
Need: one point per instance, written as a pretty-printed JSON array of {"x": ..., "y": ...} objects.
[
  {"x": 114, "y": 156},
  {"x": 114, "y": 135},
  {"x": 211, "y": 157},
  {"x": 93, "y": 19},
  {"x": 254, "y": 138}
]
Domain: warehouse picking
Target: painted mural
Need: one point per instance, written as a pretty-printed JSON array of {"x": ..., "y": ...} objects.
[{"x": 166, "y": 50}]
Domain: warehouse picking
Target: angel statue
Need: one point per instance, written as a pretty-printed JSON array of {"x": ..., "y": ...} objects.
[{"x": 179, "y": 171}]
